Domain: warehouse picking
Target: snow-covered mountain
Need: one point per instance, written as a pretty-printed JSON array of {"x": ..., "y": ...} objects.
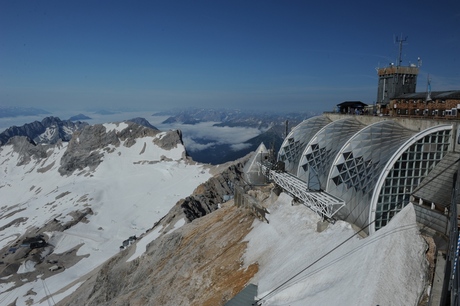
[{"x": 83, "y": 198}]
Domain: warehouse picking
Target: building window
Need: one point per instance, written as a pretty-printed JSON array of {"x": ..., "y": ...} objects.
[{"x": 419, "y": 159}]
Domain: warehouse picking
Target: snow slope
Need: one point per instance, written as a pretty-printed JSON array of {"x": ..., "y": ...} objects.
[
  {"x": 387, "y": 268},
  {"x": 128, "y": 192}
]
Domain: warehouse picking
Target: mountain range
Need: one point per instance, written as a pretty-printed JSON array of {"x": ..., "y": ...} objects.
[
  {"x": 49, "y": 131},
  {"x": 271, "y": 127}
]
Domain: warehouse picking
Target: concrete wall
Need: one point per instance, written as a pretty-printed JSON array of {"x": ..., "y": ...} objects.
[{"x": 415, "y": 124}]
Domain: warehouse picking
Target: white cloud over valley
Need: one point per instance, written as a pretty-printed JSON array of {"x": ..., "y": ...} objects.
[
  {"x": 214, "y": 135},
  {"x": 240, "y": 146}
]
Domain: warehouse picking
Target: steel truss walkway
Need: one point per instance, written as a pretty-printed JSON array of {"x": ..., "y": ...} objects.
[{"x": 321, "y": 202}]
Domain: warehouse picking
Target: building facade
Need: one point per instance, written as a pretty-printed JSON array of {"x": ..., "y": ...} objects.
[
  {"x": 395, "y": 81},
  {"x": 437, "y": 104}
]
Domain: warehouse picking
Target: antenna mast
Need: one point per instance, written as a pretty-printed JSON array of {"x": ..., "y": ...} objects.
[
  {"x": 400, "y": 40},
  {"x": 428, "y": 89}
]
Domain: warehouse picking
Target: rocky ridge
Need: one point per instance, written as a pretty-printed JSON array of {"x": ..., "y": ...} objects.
[
  {"x": 48, "y": 131},
  {"x": 207, "y": 197},
  {"x": 87, "y": 147},
  {"x": 89, "y": 143}
]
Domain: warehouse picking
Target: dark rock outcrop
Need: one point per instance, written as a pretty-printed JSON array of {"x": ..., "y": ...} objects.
[
  {"x": 169, "y": 140},
  {"x": 136, "y": 130},
  {"x": 209, "y": 195}
]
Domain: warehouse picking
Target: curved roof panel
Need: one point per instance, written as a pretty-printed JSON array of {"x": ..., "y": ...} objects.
[
  {"x": 317, "y": 158},
  {"x": 406, "y": 169},
  {"x": 294, "y": 144},
  {"x": 358, "y": 165}
]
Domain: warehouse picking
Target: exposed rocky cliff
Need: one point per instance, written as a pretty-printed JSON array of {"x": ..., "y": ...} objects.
[
  {"x": 169, "y": 140},
  {"x": 209, "y": 195},
  {"x": 27, "y": 149},
  {"x": 88, "y": 145}
]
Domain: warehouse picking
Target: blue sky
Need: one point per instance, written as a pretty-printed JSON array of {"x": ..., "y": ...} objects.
[{"x": 153, "y": 55}]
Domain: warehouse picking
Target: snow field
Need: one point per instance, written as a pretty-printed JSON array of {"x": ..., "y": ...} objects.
[
  {"x": 383, "y": 269},
  {"x": 127, "y": 193}
]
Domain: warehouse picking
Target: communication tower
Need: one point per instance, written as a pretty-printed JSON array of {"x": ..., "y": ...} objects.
[{"x": 395, "y": 80}]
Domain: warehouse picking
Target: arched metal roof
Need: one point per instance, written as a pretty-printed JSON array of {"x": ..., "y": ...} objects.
[
  {"x": 373, "y": 169},
  {"x": 404, "y": 171},
  {"x": 357, "y": 167},
  {"x": 294, "y": 144},
  {"x": 317, "y": 158}
]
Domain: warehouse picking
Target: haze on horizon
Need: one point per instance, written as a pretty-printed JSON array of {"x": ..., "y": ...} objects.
[{"x": 155, "y": 55}]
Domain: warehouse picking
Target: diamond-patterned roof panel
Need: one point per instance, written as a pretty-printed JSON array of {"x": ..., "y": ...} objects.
[
  {"x": 295, "y": 142},
  {"x": 360, "y": 163},
  {"x": 322, "y": 149}
]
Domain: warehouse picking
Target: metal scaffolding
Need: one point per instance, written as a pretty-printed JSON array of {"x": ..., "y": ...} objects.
[{"x": 321, "y": 202}]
